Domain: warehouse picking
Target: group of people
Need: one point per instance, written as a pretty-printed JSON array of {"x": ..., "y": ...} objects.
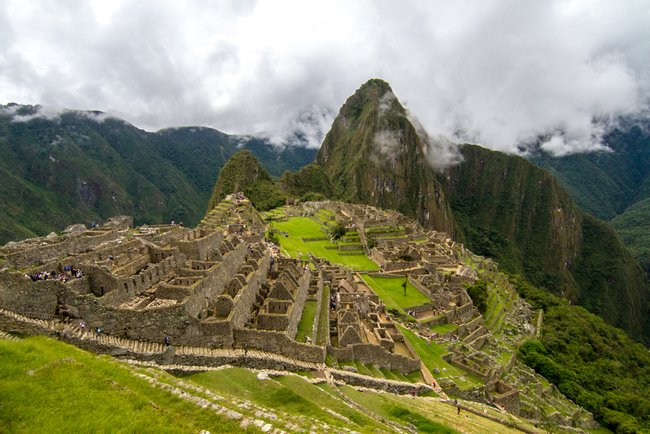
[{"x": 68, "y": 273}]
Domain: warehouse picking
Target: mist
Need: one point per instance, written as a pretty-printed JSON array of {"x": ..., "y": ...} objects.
[{"x": 505, "y": 74}]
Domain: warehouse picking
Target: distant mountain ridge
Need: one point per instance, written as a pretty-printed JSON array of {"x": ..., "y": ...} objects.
[{"x": 83, "y": 166}]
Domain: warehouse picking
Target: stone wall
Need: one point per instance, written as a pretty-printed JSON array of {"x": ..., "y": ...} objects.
[
  {"x": 380, "y": 357},
  {"x": 278, "y": 342},
  {"x": 33, "y": 299},
  {"x": 392, "y": 386},
  {"x": 68, "y": 246},
  {"x": 246, "y": 296},
  {"x": 298, "y": 303},
  {"x": 200, "y": 243}
]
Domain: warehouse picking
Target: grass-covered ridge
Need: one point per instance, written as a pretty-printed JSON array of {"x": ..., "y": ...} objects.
[
  {"x": 77, "y": 169},
  {"x": 51, "y": 387}
]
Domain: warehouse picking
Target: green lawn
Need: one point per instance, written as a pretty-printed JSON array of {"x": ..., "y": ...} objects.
[
  {"x": 298, "y": 228},
  {"x": 324, "y": 318},
  {"x": 47, "y": 386},
  {"x": 306, "y": 325},
  {"x": 431, "y": 355},
  {"x": 443, "y": 328},
  {"x": 390, "y": 290}
]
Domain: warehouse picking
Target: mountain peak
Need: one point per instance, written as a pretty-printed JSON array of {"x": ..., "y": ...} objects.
[
  {"x": 374, "y": 155},
  {"x": 243, "y": 172}
]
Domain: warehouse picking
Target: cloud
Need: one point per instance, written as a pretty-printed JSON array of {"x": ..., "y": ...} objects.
[
  {"x": 502, "y": 74},
  {"x": 21, "y": 113}
]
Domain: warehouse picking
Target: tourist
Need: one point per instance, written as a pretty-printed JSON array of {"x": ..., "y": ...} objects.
[{"x": 167, "y": 341}]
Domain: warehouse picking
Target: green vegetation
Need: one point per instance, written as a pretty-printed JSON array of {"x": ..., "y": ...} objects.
[
  {"x": 427, "y": 415},
  {"x": 49, "y": 386},
  {"x": 306, "y": 324},
  {"x": 244, "y": 173},
  {"x": 288, "y": 394},
  {"x": 479, "y": 295},
  {"x": 324, "y": 318},
  {"x": 338, "y": 231},
  {"x": 391, "y": 291},
  {"x": 590, "y": 265},
  {"x": 591, "y": 362},
  {"x": 431, "y": 354},
  {"x": 443, "y": 328},
  {"x": 632, "y": 225},
  {"x": 309, "y": 183},
  {"x": 294, "y": 229},
  {"x": 74, "y": 169}
]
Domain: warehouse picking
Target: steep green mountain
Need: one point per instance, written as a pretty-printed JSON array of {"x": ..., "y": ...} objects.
[
  {"x": 606, "y": 183},
  {"x": 244, "y": 173},
  {"x": 633, "y": 225},
  {"x": 503, "y": 207},
  {"x": 309, "y": 181},
  {"x": 85, "y": 167},
  {"x": 613, "y": 185},
  {"x": 374, "y": 155},
  {"x": 519, "y": 214}
]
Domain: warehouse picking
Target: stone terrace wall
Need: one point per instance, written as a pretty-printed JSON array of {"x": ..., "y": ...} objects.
[
  {"x": 199, "y": 244},
  {"x": 380, "y": 357},
  {"x": 392, "y": 386},
  {"x": 299, "y": 303},
  {"x": 70, "y": 245},
  {"x": 33, "y": 299},
  {"x": 246, "y": 296},
  {"x": 278, "y": 342}
]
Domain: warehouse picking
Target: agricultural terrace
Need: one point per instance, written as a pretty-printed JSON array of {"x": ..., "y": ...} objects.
[
  {"x": 292, "y": 232},
  {"x": 431, "y": 355},
  {"x": 391, "y": 291}
]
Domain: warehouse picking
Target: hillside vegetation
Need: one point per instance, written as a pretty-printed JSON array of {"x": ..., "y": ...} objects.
[
  {"x": 86, "y": 167},
  {"x": 612, "y": 185},
  {"x": 591, "y": 362},
  {"x": 517, "y": 213},
  {"x": 243, "y": 173}
]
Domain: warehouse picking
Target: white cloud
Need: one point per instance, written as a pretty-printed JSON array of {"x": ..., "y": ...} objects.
[{"x": 500, "y": 73}]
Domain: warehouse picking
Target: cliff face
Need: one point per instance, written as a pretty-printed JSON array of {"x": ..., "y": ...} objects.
[
  {"x": 511, "y": 210},
  {"x": 514, "y": 211},
  {"x": 374, "y": 155}
]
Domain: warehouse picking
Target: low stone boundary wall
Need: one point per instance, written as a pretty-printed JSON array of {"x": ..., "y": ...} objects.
[
  {"x": 392, "y": 386},
  {"x": 375, "y": 355},
  {"x": 308, "y": 239},
  {"x": 278, "y": 342}
]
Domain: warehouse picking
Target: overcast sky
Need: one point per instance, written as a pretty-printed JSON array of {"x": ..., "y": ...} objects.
[{"x": 499, "y": 73}]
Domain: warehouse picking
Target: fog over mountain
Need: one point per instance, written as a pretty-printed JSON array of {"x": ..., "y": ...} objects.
[{"x": 503, "y": 74}]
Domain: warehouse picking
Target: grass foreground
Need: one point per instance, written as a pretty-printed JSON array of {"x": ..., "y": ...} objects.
[{"x": 52, "y": 387}]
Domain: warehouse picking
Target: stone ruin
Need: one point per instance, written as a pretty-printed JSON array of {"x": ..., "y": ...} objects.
[{"x": 222, "y": 294}]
